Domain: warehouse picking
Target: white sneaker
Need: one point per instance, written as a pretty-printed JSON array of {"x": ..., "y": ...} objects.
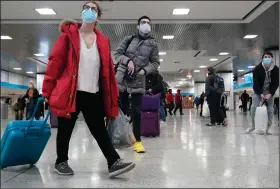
[
  {"x": 249, "y": 130},
  {"x": 267, "y": 131}
]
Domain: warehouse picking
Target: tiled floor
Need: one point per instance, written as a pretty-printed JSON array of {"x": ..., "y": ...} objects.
[{"x": 187, "y": 154}]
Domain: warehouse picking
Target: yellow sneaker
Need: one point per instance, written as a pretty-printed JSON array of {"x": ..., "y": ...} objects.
[{"x": 139, "y": 148}]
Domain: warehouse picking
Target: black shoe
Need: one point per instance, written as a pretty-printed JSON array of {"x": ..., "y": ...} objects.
[
  {"x": 120, "y": 167},
  {"x": 181, "y": 114},
  {"x": 63, "y": 169}
]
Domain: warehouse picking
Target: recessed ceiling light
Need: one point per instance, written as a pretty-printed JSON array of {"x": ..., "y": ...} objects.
[
  {"x": 181, "y": 82},
  {"x": 240, "y": 70},
  {"x": 30, "y": 72},
  {"x": 184, "y": 79},
  {"x": 160, "y": 60},
  {"x": 189, "y": 76},
  {"x": 196, "y": 71},
  {"x": 17, "y": 68},
  {"x": 181, "y": 11},
  {"x": 250, "y": 36},
  {"x": 213, "y": 59},
  {"x": 177, "y": 85},
  {"x": 162, "y": 53},
  {"x": 159, "y": 67},
  {"x": 202, "y": 66},
  {"x": 243, "y": 78},
  {"x": 251, "y": 67},
  {"x": 45, "y": 11},
  {"x": 5, "y": 37},
  {"x": 168, "y": 37},
  {"x": 223, "y": 53},
  {"x": 39, "y": 54}
]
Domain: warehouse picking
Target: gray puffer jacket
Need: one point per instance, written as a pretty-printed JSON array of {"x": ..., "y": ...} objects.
[{"x": 144, "y": 54}]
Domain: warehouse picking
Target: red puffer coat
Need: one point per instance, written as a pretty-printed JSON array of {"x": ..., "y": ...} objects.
[{"x": 60, "y": 81}]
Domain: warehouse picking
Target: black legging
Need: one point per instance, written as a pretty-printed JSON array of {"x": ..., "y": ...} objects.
[
  {"x": 216, "y": 113},
  {"x": 136, "y": 103}
]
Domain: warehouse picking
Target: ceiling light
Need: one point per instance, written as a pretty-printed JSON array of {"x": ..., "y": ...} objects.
[
  {"x": 250, "y": 67},
  {"x": 168, "y": 37},
  {"x": 183, "y": 79},
  {"x": 196, "y": 71},
  {"x": 160, "y": 60},
  {"x": 162, "y": 53},
  {"x": 223, "y": 53},
  {"x": 5, "y": 37},
  {"x": 181, "y": 82},
  {"x": 181, "y": 11},
  {"x": 29, "y": 72},
  {"x": 243, "y": 78},
  {"x": 250, "y": 36},
  {"x": 202, "y": 66},
  {"x": 39, "y": 54},
  {"x": 45, "y": 11},
  {"x": 159, "y": 67},
  {"x": 213, "y": 59},
  {"x": 240, "y": 70},
  {"x": 17, "y": 68},
  {"x": 177, "y": 85},
  {"x": 189, "y": 76}
]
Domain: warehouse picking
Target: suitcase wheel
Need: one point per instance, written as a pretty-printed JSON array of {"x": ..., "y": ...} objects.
[{"x": 31, "y": 165}]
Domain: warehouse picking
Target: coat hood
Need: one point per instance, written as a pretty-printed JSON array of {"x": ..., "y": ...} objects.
[{"x": 65, "y": 25}]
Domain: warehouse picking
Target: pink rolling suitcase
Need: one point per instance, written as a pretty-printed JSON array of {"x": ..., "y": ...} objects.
[{"x": 150, "y": 124}]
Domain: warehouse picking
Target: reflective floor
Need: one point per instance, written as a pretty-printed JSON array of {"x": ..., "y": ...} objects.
[{"x": 187, "y": 154}]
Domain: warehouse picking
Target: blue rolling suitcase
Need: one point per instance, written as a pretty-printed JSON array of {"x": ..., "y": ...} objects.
[{"x": 24, "y": 140}]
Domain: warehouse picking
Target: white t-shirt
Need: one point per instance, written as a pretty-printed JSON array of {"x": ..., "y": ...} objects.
[{"x": 89, "y": 67}]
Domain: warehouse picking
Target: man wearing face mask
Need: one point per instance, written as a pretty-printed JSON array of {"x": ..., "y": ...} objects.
[
  {"x": 137, "y": 56},
  {"x": 266, "y": 82}
]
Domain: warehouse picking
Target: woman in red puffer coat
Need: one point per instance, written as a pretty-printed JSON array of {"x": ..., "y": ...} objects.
[{"x": 80, "y": 78}]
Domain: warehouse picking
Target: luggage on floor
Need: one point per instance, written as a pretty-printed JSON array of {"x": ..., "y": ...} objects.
[
  {"x": 120, "y": 131},
  {"x": 53, "y": 120},
  {"x": 151, "y": 102},
  {"x": 150, "y": 125},
  {"x": 261, "y": 119},
  {"x": 24, "y": 141},
  {"x": 205, "y": 110}
]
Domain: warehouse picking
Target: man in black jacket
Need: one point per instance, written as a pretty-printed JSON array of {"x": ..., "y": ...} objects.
[
  {"x": 266, "y": 82},
  {"x": 244, "y": 99},
  {"x": 213, "y": 98}
]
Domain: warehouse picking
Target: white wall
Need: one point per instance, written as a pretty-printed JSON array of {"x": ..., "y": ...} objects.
[
  {"x": 228, "y": 79},
  {"x": 40, "y": 78},
  {"x": 199, "y": 88},
  {"x": 16, "y": 78}
]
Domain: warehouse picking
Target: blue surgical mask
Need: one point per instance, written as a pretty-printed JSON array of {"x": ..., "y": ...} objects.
[
  {"x": 267, "y": 60},
  {"x": 89, "y": 16}
]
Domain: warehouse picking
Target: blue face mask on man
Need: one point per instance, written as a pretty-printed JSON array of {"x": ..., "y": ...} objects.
[
  {"x": 267, "y": 61},
  {"x": 89, "y": 16}
]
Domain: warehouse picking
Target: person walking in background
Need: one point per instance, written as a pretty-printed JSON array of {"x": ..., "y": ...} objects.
[
  {"x": 214, "y": 89},
  {"x": 197, "y": 102},
  {"x": 178, "y": 102},
  {"x": 201, "y": 99},
  {"x": 32, "y": 96},
  {"x": 137, "y": 56},
  {"x": 85, "y": 84},
  {"x": 224, "y": 111},
  {"x": 170, "y": 101},
  {"x": 244, "y": 99},
  {"x": 266, "y": 82}
]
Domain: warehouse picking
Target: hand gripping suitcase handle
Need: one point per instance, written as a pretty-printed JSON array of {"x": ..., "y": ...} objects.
[{"x": 41, "y": 99}]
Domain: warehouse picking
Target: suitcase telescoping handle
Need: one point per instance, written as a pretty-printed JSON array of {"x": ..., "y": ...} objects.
[{"x": 41, "y": 99}]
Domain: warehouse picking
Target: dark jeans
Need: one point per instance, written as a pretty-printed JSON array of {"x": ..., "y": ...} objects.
[
  {"x": 178, "y": 106},
  {"x": 19, "y": 115},
  {"x": 136, "y": 103},
  {"x": 170, "y": 107},
  {"x": 201, "y": 108},
  {"x": 244, "y": 104},
  {"x": 91, "y": 105},
  {"x": 216, "y": 113}
]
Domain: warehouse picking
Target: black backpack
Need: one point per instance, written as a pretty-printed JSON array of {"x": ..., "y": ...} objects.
[
  {"x": 219, "y": 85},
  {"x": 130, "y": 40}
]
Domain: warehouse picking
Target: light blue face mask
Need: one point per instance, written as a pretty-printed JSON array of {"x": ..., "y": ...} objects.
[
  {"x": 267, "y": 60},
  {"x": 89, "y": 16}
]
